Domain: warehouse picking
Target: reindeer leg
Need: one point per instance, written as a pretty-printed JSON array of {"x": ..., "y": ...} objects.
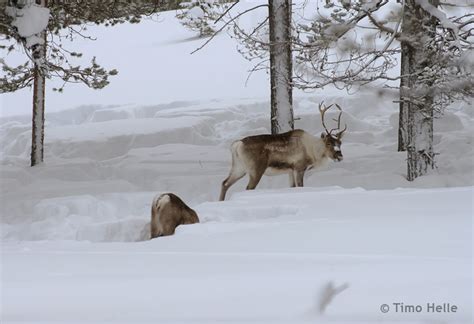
[
  {"x": 255, "y": 177},
  {"x": 292, "y": 179},
  {"x": 229, "y": 181},
  {"x": 299, "y": 178}
]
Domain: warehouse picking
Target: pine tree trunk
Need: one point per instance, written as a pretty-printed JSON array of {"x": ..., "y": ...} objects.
[
  {"x": 37, "y": 134},
  {"x": 420, "y": 155},
  {"x": 403, "y": 113},
  {"x": 37, "y": 139},
  {"x": 281, "y": 70}
]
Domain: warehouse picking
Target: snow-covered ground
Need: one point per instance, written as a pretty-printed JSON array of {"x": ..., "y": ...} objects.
[
  {"x": 358, "y": 236},
  {"x": 254, "y": 260}
]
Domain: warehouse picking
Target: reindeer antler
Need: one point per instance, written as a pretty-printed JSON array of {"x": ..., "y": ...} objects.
[
  {"x": 339, "y": 134},
  {"x": 323, "y": 111}
]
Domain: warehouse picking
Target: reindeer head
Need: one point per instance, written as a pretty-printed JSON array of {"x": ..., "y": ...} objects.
[{"x": 332, "y": 141}]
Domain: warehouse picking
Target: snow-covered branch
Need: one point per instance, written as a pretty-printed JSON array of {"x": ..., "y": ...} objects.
[
  {"x": 325, "y": 58},
  {"x": 33, "y": 27},
  {"x": 227, "y": 22}
]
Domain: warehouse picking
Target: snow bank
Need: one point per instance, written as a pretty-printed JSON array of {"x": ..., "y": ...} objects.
[
  {"x": 124, "y": 217},
  {"x": 104, "y": 156},
  {"x": 383, "y": 247},
  {"x": 108, "y": 217}
]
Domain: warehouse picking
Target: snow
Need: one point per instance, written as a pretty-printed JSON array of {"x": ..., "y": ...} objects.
[
  {"x": 251, "y": 260},
  {"x": 195, "y": 12},
  {"x": 440, "y": 15},
  {"x": 73, "y": 230},
  {"x": 30, "y": 21}
]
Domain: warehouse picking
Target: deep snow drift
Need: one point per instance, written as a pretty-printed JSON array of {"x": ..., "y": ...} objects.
[
  {"x": 255, "y": 260},
  {"x": 103, "y": 165},
  {"x": 356, "y": 237}
]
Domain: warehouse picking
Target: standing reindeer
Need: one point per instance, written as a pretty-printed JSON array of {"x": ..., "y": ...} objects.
[{"x": 292, "y": 152}]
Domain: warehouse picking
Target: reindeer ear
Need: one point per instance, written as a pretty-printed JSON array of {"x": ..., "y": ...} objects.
[{"x": 323, "y": 135}]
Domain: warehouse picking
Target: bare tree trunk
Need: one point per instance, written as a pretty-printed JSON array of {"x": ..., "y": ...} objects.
[
  {"x": 281, "y": 70},
  {"x": 37, "y": 135},
  {"x": 403, "y": 113},
  {"x": 37, "y": 139},
  {"x": 420, "y": 155}
]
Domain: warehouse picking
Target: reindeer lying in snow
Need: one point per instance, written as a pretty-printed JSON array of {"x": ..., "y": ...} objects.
[
  {"x": 292, "y": 152},
  {"x": 167, "y": 212}
]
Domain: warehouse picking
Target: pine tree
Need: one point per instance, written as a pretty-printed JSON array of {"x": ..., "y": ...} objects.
[
  {"x": 418, "y": 34},
  {"x": 40, "y": 26},
  {"x": 434, "y": 51}
]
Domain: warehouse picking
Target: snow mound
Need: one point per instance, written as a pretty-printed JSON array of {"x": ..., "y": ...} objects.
[
  {"x": 102, "y": 158},
  {"x": 253, "y": 219},
  {"x": 102, "y": 115}
]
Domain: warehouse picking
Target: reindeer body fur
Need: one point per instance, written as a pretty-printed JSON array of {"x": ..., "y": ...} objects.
[{"x": 168, "y": 211}]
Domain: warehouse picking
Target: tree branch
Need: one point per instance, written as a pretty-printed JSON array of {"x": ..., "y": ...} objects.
[{"x": 225, "y": 25}]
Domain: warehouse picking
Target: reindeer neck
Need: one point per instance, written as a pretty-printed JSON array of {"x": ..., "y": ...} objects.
[{"x": 319, "y": 152}]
